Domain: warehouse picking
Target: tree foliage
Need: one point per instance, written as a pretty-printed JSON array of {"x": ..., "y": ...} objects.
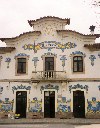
[{"x": 96, "y": 3}]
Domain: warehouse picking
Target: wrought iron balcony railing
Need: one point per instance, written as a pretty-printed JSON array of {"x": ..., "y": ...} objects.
[{"x": 49, "y": 75}]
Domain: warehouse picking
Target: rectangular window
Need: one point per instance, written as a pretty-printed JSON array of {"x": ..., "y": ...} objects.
[
  {"x": 49, "y": 63},
  {"x": 21, "y": 65},
  {"x": 49, "y": 67},
  {"x": 77, "y": 64}
]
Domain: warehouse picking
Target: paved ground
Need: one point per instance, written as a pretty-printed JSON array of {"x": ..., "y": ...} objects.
[
  {"x": 76, "y": 121},
  {"x": 49, "y": 126},
  {"x": 50, "y": 123},
  {"x": 38, "y": 126},
  {"x": 89, "y": 126}
]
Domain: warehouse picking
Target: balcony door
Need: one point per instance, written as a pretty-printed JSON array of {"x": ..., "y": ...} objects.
[{"x": 49, "y": 67}]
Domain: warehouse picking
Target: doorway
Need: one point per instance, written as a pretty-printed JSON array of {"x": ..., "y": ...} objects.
[
  {"x": 21, "y": 103},
  {"x": 49, "y": 104},
  {"x": 78, "y": 104}
]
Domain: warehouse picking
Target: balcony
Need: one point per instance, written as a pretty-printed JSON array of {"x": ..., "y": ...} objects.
[{"x": 49, "y": 75}]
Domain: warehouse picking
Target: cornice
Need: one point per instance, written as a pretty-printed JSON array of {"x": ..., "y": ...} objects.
[
  {"x": 41, "y": 80},
  {"x": 93, "y": 47},
  {"x": 6, "y": 49}
]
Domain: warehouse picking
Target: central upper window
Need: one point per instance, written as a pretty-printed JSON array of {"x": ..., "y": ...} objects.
[
  {"x": 49, "y": 63},
  {"x": 21, "y": 67},
  {"x": 78, "y": 64}
]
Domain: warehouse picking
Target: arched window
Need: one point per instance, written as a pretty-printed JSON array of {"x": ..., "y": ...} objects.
[{"x": 78, "y": 64}]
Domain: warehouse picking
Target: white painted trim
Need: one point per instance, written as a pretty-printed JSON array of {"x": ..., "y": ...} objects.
[
  {"x": 55, "y": 98},
  {"x": 85, "y": 96}
]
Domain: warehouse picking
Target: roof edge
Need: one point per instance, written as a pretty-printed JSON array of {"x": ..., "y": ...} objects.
[
  {"x": 46, "y": 17},
  {"x": 25, "y": 33},
  {"x": 78, "y": 33}
]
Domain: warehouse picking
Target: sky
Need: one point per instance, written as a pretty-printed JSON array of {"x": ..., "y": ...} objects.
[{"x": 14, "y": 15}]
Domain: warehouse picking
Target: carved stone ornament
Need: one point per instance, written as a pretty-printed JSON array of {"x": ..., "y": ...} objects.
[{"x": 78, "y": 86}]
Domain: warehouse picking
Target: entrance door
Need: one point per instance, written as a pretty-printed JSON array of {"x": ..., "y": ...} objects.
[
  {"x": 49, "y": 66},
  {"x": 21, "y": 103},
  {"x": 49, "y": 104},
  {"x": 79, "y": 104}
]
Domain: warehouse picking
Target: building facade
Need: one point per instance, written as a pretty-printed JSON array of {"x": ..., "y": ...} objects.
[{"x": 50, "y": 72}]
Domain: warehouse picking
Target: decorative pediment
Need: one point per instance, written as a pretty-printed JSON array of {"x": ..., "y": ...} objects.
[
  {"x": 49, "y": 86},
  {"x": 79, "y": 53},
  {"x": 22, "y": 55},
  {"x": 78, "y": 86},
  {"x": 21, "y": 87},
  {"x": 49, "y": 54}
]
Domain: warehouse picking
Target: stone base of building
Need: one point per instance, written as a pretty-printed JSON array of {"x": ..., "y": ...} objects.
[
  {"x": 34, "y": 115},
  {"x": 64, "y": 115},
  {"x": 3, "y": 115},
  {"x": 6, "y": 115},
  {"x": 40, "y": 115},
  {"x": 93, "y": 115}
]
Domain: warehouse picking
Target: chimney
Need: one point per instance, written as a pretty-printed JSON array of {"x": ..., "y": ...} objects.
[{"x": 92, "y": 29}]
